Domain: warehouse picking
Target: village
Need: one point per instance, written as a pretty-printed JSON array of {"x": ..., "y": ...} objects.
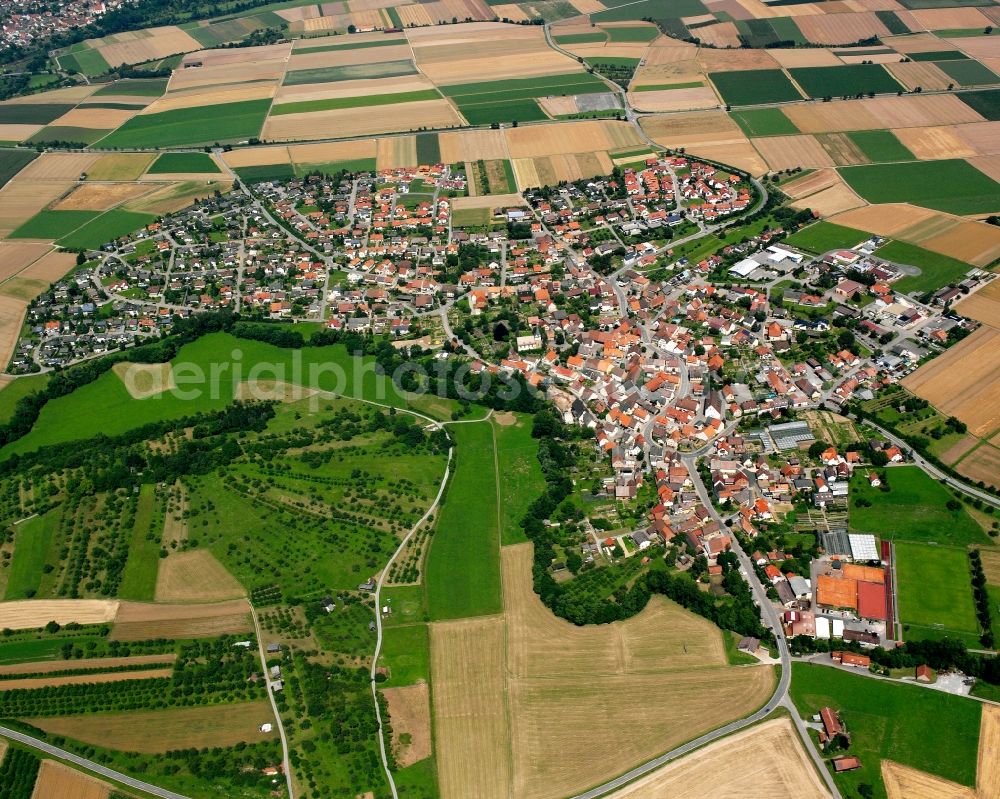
[{"x": 722, "y": 366}]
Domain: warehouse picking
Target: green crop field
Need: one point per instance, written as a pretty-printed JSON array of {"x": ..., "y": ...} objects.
[
  {"x": 968, "y": 72},
  {"x": 322, "y": 48},
  {"x": 13, "y": 161},
  {"x": 986, "y": 103},
  {"x": 931, "y": 731},
  {"x": 754, "y": 86},
  {"x": 633, "y": 33},
  {"x": 463, "y": 566},
  {"x": 328, "y": 168},
  {"x": 506, "y": 101},
  {"x": 32, "y": 540},
  {"x": 880, "y": 145},
  {"x": 936, "y": 270},
  {"x": 521, "y": 478},
  {"x": 139, "y": 577},
  {"x": 662, "y": 87},
  {"x": 31, "y": 113},
  {"x": 134, "y": 87},
  {"x": 582, "y": 38},
  {"x": 406, "y": 653},
  {"x": 386, "y": 69},
  {"x": 183, "y": 162},
  {"x": 191, "y": 126},
  {"x": 843, "y": 81},
  {"x": 954, "y": 185},
  {"x": 16, "y": 389},
  {"x": 54, "y": 133},
  {"x": 336, "y": 103},
  {"x": 53, "y": 225},
  {"x": 265, "y": 172},
  {"x": 938, "y": 55},
  {"x": 822, "y": 237},
  {"x": 913, "y": 509},
  {"x": 935, "y": 593},
  {"x": 763, "y": 122},
  {"x": 106, "y": 227},
  {"x": 89, "y": 62},
  {"x": 428, "y": 148}
]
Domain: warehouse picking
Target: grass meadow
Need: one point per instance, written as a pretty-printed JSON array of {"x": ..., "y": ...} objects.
[
  {"x": 927, "y": 730},
  {"x": 139, "y": 577},
  {"x": 936, "y": 270},
  {"x": 183, "y": 162},
  {"x": 104, "y": 228},
  {"x": 913, "y": 509},
  {"x": 463, "y": 565},
  {"x": 521, "y": 478},
  {"x": 51, "y": 225},
  {"x": 406, "y": 652},
  {"x": 32, "y": 540},
  {"x": 763, "y": 122},
  {"x": 935, "y": 593},
  {"x": 824, "y": 236}
]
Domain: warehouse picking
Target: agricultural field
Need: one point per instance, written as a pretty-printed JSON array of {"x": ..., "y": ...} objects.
[
  {"x": 13, "y": 161},
  {"x": 763, "y": 122},
  {"x": 880, "y": 145},
  {"x": 913, "y": 509},
  {"x": 228, "y": 122},
  {"x": 928, "y": 730},
  {"x": 936, "y": 270},
  {"x": 935, "y": 594},
  {"x": 514, "y": 100},
  {"x": 951, "y": 185},
  {"x": 168, "y": 163},
  {"x": 754, "y": 86},
  {"x": 823, "y": 236},
  {"x": 844, "y": 81}
]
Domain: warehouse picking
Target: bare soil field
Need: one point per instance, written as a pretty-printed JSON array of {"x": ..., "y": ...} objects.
[
  {"x": 158, "y": 731},
  {"x": 936, "y": 19},
  {"x": 95, "y": 118},
  {"x": 924, "y": 74},
  {"x": 14, "y": 132},
  {"x": 28, "y": 614},
  {"x": 588, "y": 6},
  {"x": 929, "y": 144},
  {"x": 908, "y": 111},
  {"x": 30, "y": 683},
  {"x": 57, "y": 166},
  {"x": 903, "y": 782},
  {"x": 831, "y": 201},
  {"x": 471, "y": 727},
  {"x": 731, "y": 60},
  {"x": 396, "y": 151},
  {"x": 788, "y": 152},
  {"x": 257, "y": 156},
  {"x": 351, "y": 88},
  {"x": 410, "y": 714},
  {"x": 721, "y": 35},
  {"x": 68, "y": 94},
  {"x": 100, "y": 196},
  {"x": 768, "y": 756},
  {"x": 964, "y": 381},
  {"x": 983, "y": 464},
  {"x": 343, "y": 58},
  {"x": 840, "y": 28},
  {"x": 138, "y": 621},
  {"x": 16, "y": 255},
  {"x": 58, "y": 780},
  {"x": 86, "y": 663},
  {"x": 120, "y": 166},
  {"x": 978, "y": 46},
  {"x": 265, "y": 71},
  {"x": 362, "y": 121},
  {"x": 143, "y": 380},
  {"x": 472, "y": 145},
  {"x": 174, "y": 196},
  {"x": 887, "y": 219},
  {"x": 195, "y": 576},
  {"x": 674, "y": 99},
  {"x": 917, "y": 43},
  {"x": 332, "y": 151},
  {"x": 811, "y": 183}
]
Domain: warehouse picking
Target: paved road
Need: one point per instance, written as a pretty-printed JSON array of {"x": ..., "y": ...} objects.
[{"x": 89, "y": 765}]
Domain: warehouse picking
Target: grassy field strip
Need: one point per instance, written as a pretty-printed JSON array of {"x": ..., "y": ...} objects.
[
  {"x": 337, "y": 103},
  {"x": 139, "y": 577}
]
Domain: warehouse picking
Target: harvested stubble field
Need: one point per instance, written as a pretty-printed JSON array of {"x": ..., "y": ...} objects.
[
  {"x": 788, "y": 152},
  {"x": 195, "y": 576},
  {"x": 830, "y": 201},
  {"x": 16, "y": 255},
  {"x": 556, "y": 678},
  {"x": 924, "y": 74},
  {"x": 158, "y": 731},
  {"x": 161, "y": 42},
  {"x": 100, "y": 196},
  {"x": 983, "y": 305},
  {"x": 410, "y": 714},
  {"x": 86, "y": 663},
  {"x": 811, "y": 183},
  {"x": 982, "y": 464},
  {"x": 908, "y": 111},
  {"x": 362, "y": 121},
  {"x": 58, "y": 780},
  {"x": 674, "y": 99},
  {"x": 57, "y": 166},
  {"x": 29, "y": 614},
  {"x": 965, "y": 381},
  {"x": 710, "y": 134},
  {"x": 903, "y": 782},
  {"x": 936, "y": 142},
  {"x": 769, "y": 756},
  {"x": 472, "y": 145},
  {"x": 51, "y": 267},
  {"x": 32, "y": 683},
  {"x": 174, "y": 196},
  {"x": 570, "y": 137},
  {"x": 120, "y": 166},
  {"x": 137, "y": 621}
]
